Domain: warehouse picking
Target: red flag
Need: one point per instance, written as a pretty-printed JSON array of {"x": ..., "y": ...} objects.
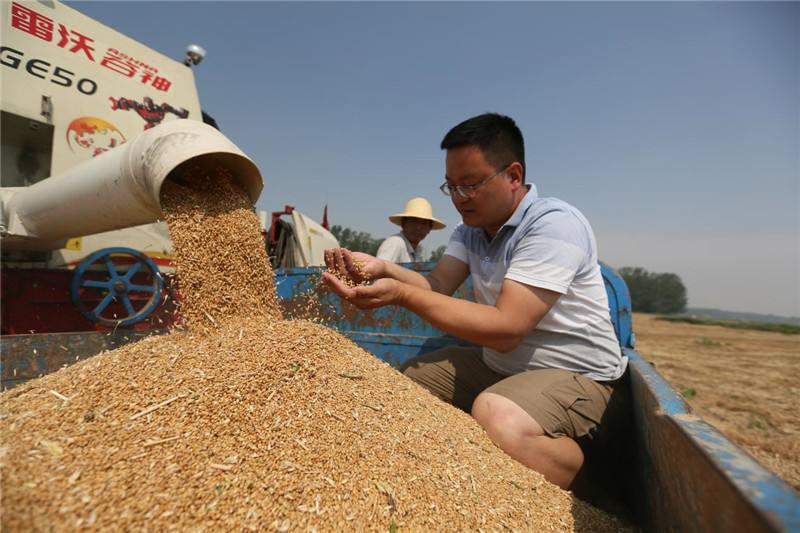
[{"x": 325, "y": 218}]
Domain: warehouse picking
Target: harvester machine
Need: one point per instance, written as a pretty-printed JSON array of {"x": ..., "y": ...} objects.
[{"x": 92, "y": 124}]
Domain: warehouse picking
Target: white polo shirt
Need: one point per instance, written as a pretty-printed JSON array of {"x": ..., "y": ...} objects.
[
  {"x": 398, "y": 249},
  {"x": 546, "y": 243}
]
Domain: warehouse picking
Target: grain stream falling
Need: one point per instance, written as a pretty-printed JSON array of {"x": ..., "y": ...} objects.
[
  {"x": 248, "y": 422},
  {"x": 206, "y": 212}
]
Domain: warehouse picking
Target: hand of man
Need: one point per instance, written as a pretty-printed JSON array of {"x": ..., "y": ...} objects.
[
  {"x": 383, "y": 292},
  {"x": 353, "y": 268}
]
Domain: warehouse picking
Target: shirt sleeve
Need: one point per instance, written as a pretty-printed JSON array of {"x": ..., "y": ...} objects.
[
  {"x": 457, "y": 245},
  {"x": 551, "y": 252},
  {"x": 391, "y": 249}
]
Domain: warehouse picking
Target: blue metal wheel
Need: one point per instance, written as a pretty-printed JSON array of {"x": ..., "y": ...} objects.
[{"x": 116, "y": 286}]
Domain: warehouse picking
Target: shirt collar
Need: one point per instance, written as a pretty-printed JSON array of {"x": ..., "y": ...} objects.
[
  {"x": 409, "y": 248},
  {"x": 522, "y": 208}
]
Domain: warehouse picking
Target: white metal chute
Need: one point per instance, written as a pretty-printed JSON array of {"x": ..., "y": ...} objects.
[
  {"x": 312, "y": 239},
  {"x": 119, "y": 188}
]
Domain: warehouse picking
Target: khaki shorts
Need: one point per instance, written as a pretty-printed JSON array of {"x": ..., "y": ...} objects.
[{"x": 565, "y": 404}]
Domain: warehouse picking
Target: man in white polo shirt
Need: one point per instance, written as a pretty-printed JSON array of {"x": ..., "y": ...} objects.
[
  {"x": 547, "y": 361},
  {"x": 417, "y": 221}
]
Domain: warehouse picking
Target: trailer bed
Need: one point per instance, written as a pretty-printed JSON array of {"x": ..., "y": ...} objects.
[{"x": 684, "y": 475}]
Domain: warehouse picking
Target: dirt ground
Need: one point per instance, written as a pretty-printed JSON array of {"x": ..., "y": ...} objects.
[{"x": 745, "y": 383}]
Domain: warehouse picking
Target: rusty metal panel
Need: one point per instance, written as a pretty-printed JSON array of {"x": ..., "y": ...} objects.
[
  {"x": 302, "y": 295},
  {"x": 397, "y": 349},
  {"x": 619, "y": 305},
  {"x": 691, "y": 476},
  {"x": 24, "y": 357}
]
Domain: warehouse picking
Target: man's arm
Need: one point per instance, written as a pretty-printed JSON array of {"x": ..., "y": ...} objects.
[
  {"x": 445, "y": 277},
  {"x": 502, "y": 327},
  {"x": 448, "y": 274}
]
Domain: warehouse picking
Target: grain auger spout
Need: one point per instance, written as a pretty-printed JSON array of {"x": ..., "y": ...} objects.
[{"x": 119, "y": 188}]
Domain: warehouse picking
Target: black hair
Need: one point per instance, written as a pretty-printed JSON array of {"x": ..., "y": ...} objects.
[{"x": 497, "y": 136}]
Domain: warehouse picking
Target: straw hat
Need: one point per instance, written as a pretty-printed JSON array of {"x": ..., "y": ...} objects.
[{"x": 418, "y": 208}]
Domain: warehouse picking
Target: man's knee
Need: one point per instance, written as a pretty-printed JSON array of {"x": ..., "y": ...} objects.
[{"x": 503, "y": 419}]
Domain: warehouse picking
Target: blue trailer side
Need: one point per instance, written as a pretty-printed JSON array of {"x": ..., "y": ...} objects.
[{"x": 690, "y": 476}]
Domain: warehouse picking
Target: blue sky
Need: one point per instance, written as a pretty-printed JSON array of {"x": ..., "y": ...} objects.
[{"x": 673, "y": 126}]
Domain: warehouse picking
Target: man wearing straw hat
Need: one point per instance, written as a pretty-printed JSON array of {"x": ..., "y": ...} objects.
[
  {"x": 417, "y": 221},
  {"x": 544, "y": 374}
]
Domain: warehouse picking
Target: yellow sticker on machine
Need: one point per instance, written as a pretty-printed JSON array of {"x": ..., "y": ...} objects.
[{"x": 74, "y": 244}]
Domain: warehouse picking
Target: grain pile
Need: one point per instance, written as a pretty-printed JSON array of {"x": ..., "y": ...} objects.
[{"x": 245, "y": 421}]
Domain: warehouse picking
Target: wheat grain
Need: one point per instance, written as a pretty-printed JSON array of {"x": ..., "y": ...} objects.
[{"x": 281, "y": 425}]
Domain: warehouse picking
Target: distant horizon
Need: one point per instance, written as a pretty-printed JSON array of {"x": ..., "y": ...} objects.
[{"x": 792, "y": 319}]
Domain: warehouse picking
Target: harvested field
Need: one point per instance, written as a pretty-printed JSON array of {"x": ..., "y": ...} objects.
[
  {"x": 745, "y": 383},
  {"x": 246, "y": 421}
]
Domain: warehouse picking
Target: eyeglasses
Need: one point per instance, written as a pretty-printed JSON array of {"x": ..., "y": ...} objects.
[{"x": 468, "y": 191}]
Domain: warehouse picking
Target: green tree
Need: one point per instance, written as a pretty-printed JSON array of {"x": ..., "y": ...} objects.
[
  {"x": 359, "y": 241},
  {"x": 437, "y": 254},
  {"x": 662, "y": 293},
  {"x": 356, "y": 241}
]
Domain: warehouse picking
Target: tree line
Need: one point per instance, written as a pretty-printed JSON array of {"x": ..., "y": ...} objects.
[
  {"x": 359, "y": 241},
  {"x": 661, "y": 293},
  {"x": 651, "y": 292}
]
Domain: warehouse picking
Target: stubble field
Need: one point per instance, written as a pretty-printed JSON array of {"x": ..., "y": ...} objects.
[{"x": 745, "y": 383}]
